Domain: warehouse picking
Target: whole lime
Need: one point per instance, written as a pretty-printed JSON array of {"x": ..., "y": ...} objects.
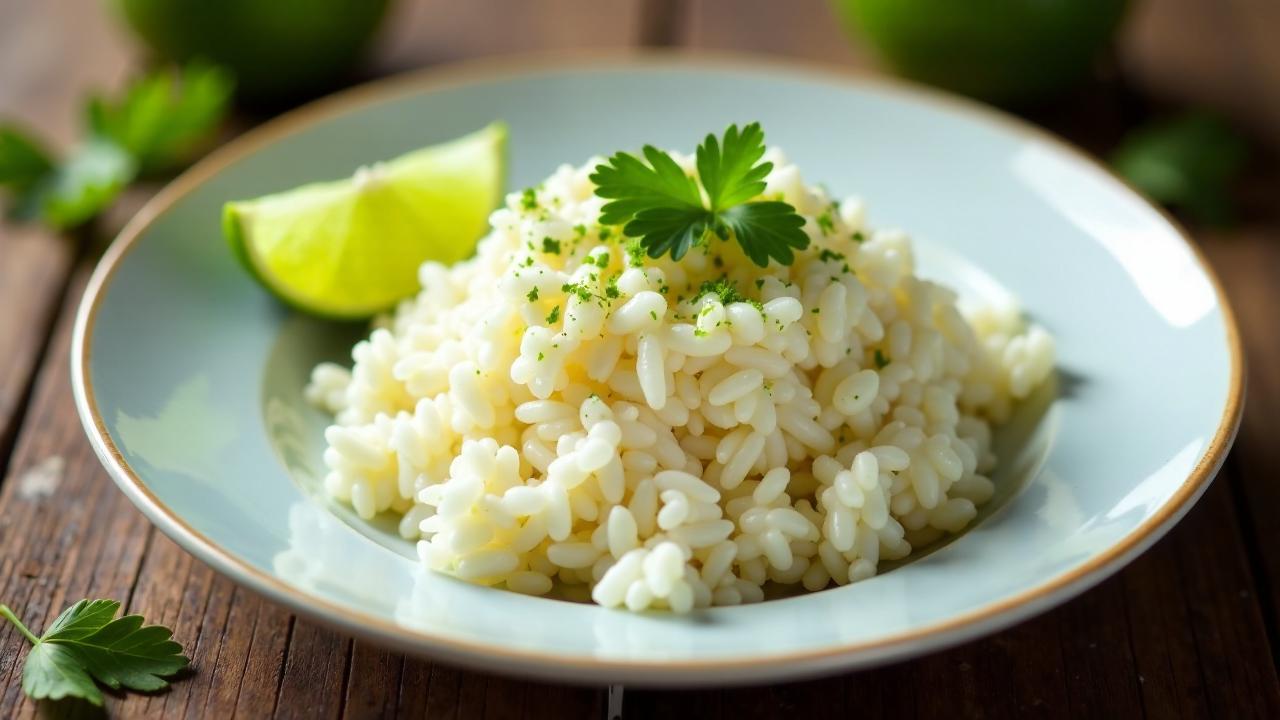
[
  {"x": 278, "y": 49},
  {"x": 1005, "y": 51}
]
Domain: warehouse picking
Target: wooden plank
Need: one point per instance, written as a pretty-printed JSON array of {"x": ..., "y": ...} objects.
[
  {"x": 1256, "y": 22},
  {"x": 797, "y": 28},
  {"x": 235, "y": 639},
  {"x": 33, "y": 272},
  {"x": 422, "y": 32},
  {"x": 65, "y": 530},
  {"x": 1249, "y": 263},
  {"x": 1226, "y": 620},
  {"x": 42, "y": 81},
  {"x": 53, "y": 52},
  {"x": 1220, "y": 55},
  {"x": 1178, "y": 633},
  {"x": 87, "y": 540},
  {"x": 374, "y": 686},
  {"x": 250, "y": 658},
  {"x": 315, "y": 673},
  {"x": 1159, "y": 638}
]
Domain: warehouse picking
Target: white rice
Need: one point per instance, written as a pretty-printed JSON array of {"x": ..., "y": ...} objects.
[{"x": 558, "y": 412}]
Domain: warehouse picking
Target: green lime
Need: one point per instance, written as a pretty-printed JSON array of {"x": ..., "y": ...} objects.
[
  {"x": 279, "y": 50},
  {"x": 351, "y": 248},
  {"x": 1006, "y": 51}
]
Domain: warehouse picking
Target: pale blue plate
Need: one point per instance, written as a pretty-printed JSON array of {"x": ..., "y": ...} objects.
[{"x": 188, "y": 376}]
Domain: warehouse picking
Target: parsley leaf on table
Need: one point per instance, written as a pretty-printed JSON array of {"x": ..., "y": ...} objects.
[
  {"x": 162, "y": 117},
  {"x": 86, "y": 182},
  {"x": 85, "y": 644},
  {"x": 156, "y": 125},
  {"x": 663, "y": 208},
  {"x": 22, "y": 161},
  {"x": 1188, "y": 162}
]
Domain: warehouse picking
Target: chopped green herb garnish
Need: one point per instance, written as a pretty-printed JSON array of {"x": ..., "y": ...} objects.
[
  {"x": 602, "y": 260},
  {"x": 611, "y": 287},
  {"x": 827, "y": 254},
  {"x": 605, "y": 233},
  {"x": 881, "y": 360},
  {"x": 578, "y": 289},
  {"x": 858, "y": 236},
  {"x": 529, "y": 199},
  {"x": 554, "y": 315},
  {"x": 635, "y": 252},
  {"x": 533, "y": 295},
  {"x": 541, "y": 357},
  {"x": 815, "y": 311},
  {"x": 653, "y": 314},
  {"x": 550, "y": 245},
  {"x": 723, "y": 289},
  {"x": 662, "y": 207},
  {"x": 580, "y": 230},
  {"x": 825, "y": 223}
]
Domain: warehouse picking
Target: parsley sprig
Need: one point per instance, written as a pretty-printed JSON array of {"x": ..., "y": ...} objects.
[
  {"x": 88, "y": 642},
  {"x": 155, "y": 125},
  {"x": 664, "y": 209}
]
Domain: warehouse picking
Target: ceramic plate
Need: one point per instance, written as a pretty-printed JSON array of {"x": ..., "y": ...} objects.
[{"x": 188, "y": 377}]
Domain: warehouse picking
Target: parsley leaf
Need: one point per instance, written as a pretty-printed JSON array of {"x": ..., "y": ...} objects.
[
  {"x": 22, "y": 161},
  {"x": 663, "y": 208},
  {"x": 670, "y": 230},
  {"x": 157, "y": 124},
  {"x": 83, "y": 186},
  {"x": 162, "y": 117},
  {"x": 729, "y": 171},
  {"x": 85, "y": 644},
  {"x": 767, "y": 229},
  {"x": 635, "y": 187},
  {"x": 1189, "y": 162}
]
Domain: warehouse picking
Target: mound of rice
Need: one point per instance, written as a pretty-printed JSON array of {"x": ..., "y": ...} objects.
[{"x": 562, "y": 412}]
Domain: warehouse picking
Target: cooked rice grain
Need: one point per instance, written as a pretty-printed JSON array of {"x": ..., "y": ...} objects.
[{"x": 560, "y": 411}]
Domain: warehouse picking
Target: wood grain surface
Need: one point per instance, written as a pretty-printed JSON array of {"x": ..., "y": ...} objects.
[{"x": 1188, "y": 630}]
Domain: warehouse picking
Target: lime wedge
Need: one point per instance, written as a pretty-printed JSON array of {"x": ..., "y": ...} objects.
[{"x": 351, "y": 248}]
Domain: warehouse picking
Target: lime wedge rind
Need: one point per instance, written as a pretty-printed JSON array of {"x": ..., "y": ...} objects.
[{"x": 349, "y": 249}]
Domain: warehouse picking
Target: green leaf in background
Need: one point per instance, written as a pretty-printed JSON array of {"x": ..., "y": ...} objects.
[
  {"x": 163, "y": 117},
  {"x": 85, "y": 185},
  {"x": 86, "y": 643},
  {"x": 157, "y": 124},
  {"x": 1187, "y": 162},
  {"x": 22, "y": 161}
]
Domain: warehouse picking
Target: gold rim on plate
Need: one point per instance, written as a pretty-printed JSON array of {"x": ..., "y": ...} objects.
[{"x": 983, "y": 620}]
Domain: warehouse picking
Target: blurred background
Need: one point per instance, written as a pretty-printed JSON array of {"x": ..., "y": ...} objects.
[
  {"x": 102, "y": 101},
  {"x": 1182, "y": 96}
]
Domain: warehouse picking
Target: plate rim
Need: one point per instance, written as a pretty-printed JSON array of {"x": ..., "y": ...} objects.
[{"x": 989, "y": 618}]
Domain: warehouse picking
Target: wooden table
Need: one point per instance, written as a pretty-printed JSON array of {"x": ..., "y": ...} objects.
[{"x": 1188, "y": 630}]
